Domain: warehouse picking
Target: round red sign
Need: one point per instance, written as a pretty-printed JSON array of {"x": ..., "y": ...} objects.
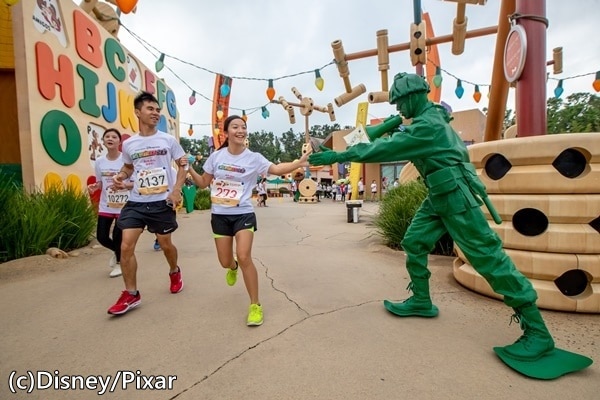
[{"x": 515, "y": 51}]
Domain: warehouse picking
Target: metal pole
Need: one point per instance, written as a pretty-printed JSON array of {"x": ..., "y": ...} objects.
[{"x": 531, "y": 87}]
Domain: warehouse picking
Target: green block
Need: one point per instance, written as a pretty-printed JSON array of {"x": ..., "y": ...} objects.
[{"x": 189, "y": 194}]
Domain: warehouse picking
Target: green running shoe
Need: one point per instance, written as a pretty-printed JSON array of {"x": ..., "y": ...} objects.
[
  {"x": 231, "y": 276},
  {"x": 255, "y": 315}
]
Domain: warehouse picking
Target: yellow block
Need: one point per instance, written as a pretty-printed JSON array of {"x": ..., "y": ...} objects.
[
  {"x": 52, "y": 180},
  {"x": 74, "y": 182},
  {"x": 356, "y": 168}
]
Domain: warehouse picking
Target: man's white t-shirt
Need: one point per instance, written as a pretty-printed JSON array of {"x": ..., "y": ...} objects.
[
  {"x": 151, "y": 157},
  {"x": 234, "y": 178}
]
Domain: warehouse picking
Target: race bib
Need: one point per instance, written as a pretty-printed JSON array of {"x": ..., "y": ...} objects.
[
  {"x": 226, "y": 193},
  {"x": 116, "y": 198},
  {"x": 152, "y": 181}
]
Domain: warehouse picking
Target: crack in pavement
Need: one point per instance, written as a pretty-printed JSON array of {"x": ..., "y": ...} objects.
[
  {"x": 220, "y": 367},
  {"x": 307, "y": 317}
]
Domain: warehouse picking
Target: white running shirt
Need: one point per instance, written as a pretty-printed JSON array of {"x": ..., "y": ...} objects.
[
  {"x": 243, "y": 170},
  {"x": 151, "y": 157},
  {"x": 111, "y": 200}
]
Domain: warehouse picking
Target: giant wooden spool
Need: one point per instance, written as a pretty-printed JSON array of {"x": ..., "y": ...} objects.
[{"x": 547, "y": 192}]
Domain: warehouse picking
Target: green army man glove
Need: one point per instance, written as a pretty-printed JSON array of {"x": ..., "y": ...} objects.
[{"x": 325, "y": 157}]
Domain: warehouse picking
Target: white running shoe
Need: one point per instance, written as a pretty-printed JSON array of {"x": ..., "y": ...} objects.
[
  {"x": 116, "y": 271},
  {"x": 113, "y": 261}
]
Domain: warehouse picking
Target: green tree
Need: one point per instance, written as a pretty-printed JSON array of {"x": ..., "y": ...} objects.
[
  {"x": 322, "y": 131},
  {"x": 195, "y": 146},
  {"x": 578, "y": 114},
  {"x": 265, "y": 143},
  {"x": 292, "y": 145}
]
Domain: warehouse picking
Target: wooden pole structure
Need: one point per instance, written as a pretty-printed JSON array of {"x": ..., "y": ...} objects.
[
  {"x": 307, "y": 187},
  {"x": 306, "y": 107},
  {"x": 430, "y": 41},
  {"x": 417, "y": 22},
  {"x": 499, "y": 89}
]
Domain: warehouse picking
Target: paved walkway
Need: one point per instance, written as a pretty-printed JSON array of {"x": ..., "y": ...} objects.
[{"x": 326, "y": 334}]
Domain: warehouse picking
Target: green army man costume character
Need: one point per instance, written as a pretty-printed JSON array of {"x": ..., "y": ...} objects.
[{"x": 453, "y": 206}]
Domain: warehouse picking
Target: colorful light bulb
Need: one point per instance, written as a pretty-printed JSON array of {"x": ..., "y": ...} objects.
[
  {"x": 270, "y": 90},
  {"x": 319, "y": 82},
  {"x": 459, "y": 91},
  {"x": 596, "y": 83},
  {"x": 193, "y": 98},
  {"x": 160, "y": 63},
  {"x": 265, "y": 113},
  {"x": 225, "y": 88},
  {"x": 126, "y": 5},
  {"x": 190, "y": 131},
  {"x": 244, "y": 116},
  {"x": 477, "y": 94},
  {"x": 219, "y": 113},
  {"x": 558, "y": 90},
  {"x": 437, "y": 78}
]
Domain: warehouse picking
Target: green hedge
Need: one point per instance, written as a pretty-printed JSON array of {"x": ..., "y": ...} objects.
[
  {"x": 30, "y": 223},
  {"x": 202, "y": 199},
  {"x": 396, "y": 211}
]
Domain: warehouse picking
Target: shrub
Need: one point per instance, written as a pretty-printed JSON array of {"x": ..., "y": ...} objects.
[
  {"x": 32, "y": 226},
  {"x": 202, "y": 199},
  {"x": 75, "y": 209},
  {"x": 30, "y": 223},
  {"x": 284, "y": 190},
  {"x": 396, "y": 211}
]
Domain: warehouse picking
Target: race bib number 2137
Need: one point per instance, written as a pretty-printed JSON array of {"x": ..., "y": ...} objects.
[{"x": 152, "y": 181}]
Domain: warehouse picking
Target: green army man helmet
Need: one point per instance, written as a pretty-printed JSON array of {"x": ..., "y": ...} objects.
[{"x": 405, "y": 84}]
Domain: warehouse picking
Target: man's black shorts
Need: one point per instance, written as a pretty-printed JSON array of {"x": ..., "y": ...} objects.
[{"x": 156, "y": 215}]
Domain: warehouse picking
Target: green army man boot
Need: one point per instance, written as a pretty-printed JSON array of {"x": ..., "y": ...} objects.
[
  {"x": 536, "y": 341},
  {"x": 418, "y": 305}
]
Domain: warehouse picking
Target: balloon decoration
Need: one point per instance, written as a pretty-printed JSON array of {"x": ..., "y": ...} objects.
[{"x": 126, "y": 6}]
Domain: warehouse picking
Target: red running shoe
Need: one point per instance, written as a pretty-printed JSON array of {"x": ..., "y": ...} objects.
[
  {"x": 125, "y": 303},
  {"x": 176, "y": 282}
]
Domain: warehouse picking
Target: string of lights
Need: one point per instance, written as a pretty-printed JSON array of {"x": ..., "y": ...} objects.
[
  {"x": 160, "y": 64},
  {"x": 459, "y": 91},
  {"x": 270, "y": 92}
]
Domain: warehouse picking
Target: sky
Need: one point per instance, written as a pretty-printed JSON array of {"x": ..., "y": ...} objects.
[{"x": 282, "y": 39}]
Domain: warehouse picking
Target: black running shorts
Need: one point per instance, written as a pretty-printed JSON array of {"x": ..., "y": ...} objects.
[
  {"x": 229, "y": 225},
  {"x": 157, "y": 216}
]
